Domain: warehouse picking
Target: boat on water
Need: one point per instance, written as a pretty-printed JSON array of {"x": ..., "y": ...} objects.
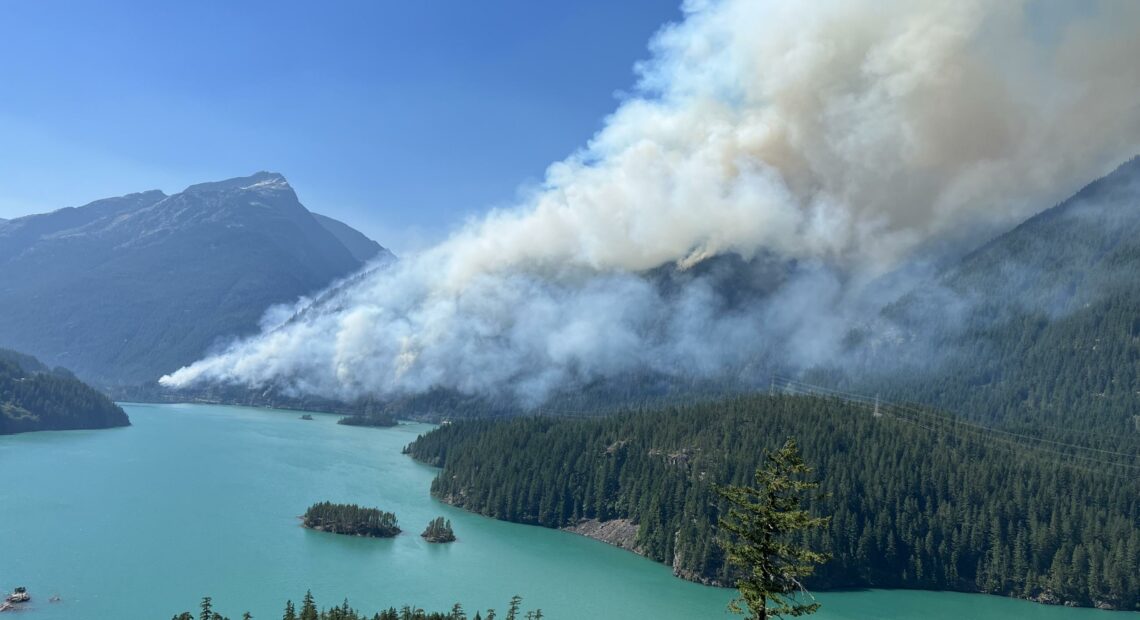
[{"x": 19, "y": 595}]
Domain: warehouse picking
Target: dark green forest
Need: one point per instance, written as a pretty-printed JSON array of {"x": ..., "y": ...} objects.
[
  {"x": 380, "y": 420},
  {"x": 351, "y": 519},
  {"x": 36, "y": 398},
  {"x": 917, "y": 499},
  {"x": 308, "y": 610},
  {"x": 1079, "y": 372}
]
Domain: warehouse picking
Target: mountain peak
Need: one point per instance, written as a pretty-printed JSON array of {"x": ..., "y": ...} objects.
[
  {"x": 219, "y": 254},
  {"x": 258, "y": 181}
]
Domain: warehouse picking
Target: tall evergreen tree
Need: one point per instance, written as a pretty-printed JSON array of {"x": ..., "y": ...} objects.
[
  {"x": 309, "y": 607},
  {"x": 760, "y": 524},
  {"x": 513, "y": 607}
]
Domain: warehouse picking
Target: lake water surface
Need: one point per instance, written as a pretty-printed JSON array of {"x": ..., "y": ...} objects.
[{"x": 200, "y": 500}]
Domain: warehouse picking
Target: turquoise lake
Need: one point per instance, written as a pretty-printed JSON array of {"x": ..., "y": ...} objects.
[{"x": 194, "y": 500}]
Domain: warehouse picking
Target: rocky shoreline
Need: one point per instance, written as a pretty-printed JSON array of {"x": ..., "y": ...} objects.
[{"x": 621, "y": 533}]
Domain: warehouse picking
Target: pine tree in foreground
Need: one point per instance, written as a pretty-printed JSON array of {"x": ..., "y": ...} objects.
[{"x": 756, "y": 536}]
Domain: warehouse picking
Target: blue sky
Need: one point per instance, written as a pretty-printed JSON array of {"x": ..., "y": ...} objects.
[{"x": 402, "y": 118}]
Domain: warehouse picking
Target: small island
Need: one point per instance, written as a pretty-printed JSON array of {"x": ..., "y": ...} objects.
[
  {"x": 377, "y": 420},
  {"x": 439, "y": 531},
  {"x": 350, "y": 520}
]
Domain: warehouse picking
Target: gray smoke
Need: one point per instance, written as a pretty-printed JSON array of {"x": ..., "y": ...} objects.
[{"x": 838, "y": 137}]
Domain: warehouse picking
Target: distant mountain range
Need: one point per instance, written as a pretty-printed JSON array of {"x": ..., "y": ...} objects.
[
  {"x": 124, "y": 290},
  {"x": 34, "y": 397}
]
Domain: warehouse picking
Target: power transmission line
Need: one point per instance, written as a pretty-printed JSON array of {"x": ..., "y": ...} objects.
[{"x": 959, "y": 425}]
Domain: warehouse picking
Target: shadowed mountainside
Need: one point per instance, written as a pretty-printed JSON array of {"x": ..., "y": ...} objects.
[{"x": 126, "y": 289}]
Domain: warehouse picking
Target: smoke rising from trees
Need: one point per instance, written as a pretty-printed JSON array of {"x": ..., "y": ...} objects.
[{"x": 827, "y": 144}]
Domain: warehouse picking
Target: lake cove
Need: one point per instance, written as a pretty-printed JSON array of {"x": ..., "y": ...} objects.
[{"x": 194, "y": 500}]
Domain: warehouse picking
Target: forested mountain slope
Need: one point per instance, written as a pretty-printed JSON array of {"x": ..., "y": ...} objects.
[
  {"x": 34, "y": 398},
  {"x": 126, "y": 289},
  {"x": 1039, "y": 328},
  {"x": 916, "y": 501}
]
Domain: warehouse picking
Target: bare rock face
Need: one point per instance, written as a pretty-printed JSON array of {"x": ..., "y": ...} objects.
[
  {"x": 689, "y": 574},
  {"x": 620, "y": 533}
]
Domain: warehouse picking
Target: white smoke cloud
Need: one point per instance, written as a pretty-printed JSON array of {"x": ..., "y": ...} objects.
[{"x": 829, "y": 133}]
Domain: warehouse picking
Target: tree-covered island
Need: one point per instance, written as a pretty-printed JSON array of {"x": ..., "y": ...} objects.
[
  {"x": 439, "y": 531},
  {"x": 350, "y": 519}
]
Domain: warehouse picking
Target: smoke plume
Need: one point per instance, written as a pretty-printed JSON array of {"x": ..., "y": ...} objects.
[{"x": 835, "y": 139}]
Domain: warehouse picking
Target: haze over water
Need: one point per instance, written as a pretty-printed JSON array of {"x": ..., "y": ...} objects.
[{"x": 200, "y": 500}]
